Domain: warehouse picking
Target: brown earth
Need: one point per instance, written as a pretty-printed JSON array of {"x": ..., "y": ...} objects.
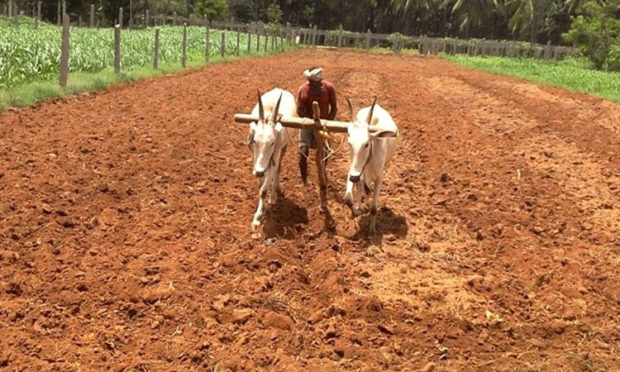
[{"x": 126, "y": 244}]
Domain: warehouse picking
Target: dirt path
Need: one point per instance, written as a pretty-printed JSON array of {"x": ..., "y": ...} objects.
[{"x": 125, "y": 241}]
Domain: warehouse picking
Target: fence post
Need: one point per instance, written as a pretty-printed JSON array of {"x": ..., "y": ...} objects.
[
  {"x": 184, "y": 50},
  {"x": 64, "y": 7},
  {"x": 117, "y": 49},
  {"x": 58, "y": 19},
  {"x": 147, "y": 18},
  {"x": 92, "y": 15},
  {"x": 314, "y": 35},
  {"x": 340, "y": 37},
  {"x": 208, "y": 44},
  {"x": 223, "y": 43},
  {"x": 120, "y": 17},
  {"x": 130, "y": 13},
  {"x": 64, "y": 52},
  {"x": 176, "y": 19},
  {"x": 156, "y": 49},
  {"x": 257, "y": 41},
  {"x": 547, "y": 50},
  {"x": 266, "y": 41},
  {"x": 249, "y": 39},
  {"x": 273, "y": 41},
  {"x": 238, "y": 41}
]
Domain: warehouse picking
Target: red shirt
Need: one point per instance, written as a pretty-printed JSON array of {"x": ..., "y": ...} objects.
[{"x": 326, "y": 98}]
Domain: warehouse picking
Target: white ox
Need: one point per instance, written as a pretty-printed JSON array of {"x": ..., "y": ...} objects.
[
  {"x": 267, "y": 140},
  {"x": 370, "y": 152}
]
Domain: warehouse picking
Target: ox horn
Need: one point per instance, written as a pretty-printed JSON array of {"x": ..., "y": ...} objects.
[
  {"x": 261, "y": 110},
  {"x": 277, "y": 109},
  {"x": 351, "y": 109},
  {"x": 372, "y": 110}
]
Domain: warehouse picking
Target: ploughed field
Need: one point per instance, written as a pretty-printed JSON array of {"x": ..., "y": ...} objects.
[{"x": 126, "y": 243}]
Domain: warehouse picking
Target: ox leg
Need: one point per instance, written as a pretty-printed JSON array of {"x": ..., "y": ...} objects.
[
  {"x": 260, "y": 212},
  {"x": 278, "y": 189},
  {"x": 348, "y": 195},
  {"x": 359, "y": 193},
  {"x": 374, "y": 203}
]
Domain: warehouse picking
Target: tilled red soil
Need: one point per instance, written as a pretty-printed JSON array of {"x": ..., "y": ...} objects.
[{"x": 126, "y": 244}]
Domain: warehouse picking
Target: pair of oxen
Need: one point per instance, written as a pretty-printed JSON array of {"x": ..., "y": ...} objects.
[{"x": 372, "y": 136}]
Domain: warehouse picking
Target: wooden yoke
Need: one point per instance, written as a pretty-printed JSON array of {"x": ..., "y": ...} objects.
[{"x": 320, "y": 153}]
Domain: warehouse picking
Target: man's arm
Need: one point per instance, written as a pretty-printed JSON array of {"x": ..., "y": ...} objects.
[
  {"x": 301, "y": 104},
  {"x": 333, "y": 104}
]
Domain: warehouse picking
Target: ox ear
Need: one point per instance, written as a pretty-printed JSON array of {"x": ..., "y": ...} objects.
[
  {"x": 385, "y": 134},
  {"x": 251, "y": 133}
]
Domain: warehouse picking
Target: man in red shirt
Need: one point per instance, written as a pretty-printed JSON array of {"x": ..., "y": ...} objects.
[{"x": 316, "y": 89}]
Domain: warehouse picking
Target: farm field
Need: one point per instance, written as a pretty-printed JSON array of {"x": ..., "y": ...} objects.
[
  {"x": 31, "y": 54},
  {"x": 126, "y": 243},
  {"x": 569, "y": 74}
]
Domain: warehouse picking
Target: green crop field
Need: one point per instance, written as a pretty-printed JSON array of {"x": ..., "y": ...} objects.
[
  {"x": 32, "y": 54},
  {"x": 570, "y": 74}
]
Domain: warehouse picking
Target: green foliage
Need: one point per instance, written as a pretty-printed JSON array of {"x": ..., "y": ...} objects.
[
  {"x": 274, "y": 13},
  {"x": 397, "y": 38},
  {"x": 29, "y": 54},
  {"x": 569, "y": 74},
  {"x": 215, "y": 10},
  {"x": 597, "y": 33}
]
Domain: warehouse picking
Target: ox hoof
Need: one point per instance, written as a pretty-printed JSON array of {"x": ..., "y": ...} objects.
[{"x": 255, "y": 225}]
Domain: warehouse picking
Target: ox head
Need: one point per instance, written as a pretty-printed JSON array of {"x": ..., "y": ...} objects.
[
  {"x": 360, "y": 144},
  {"x": 361, "y": 140},
  {"x": 263, "y": 137}
]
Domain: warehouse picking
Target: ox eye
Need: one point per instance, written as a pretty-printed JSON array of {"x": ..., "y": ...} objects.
[{"x": 366, "y": 145}]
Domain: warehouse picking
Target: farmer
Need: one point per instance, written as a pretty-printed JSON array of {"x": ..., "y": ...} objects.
[{"x": 316, "y": 89}]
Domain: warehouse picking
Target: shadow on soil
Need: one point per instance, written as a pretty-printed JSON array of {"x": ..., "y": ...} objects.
[
  {"x": 387, "y": 223},
  {"x": 282, "y": 218}
]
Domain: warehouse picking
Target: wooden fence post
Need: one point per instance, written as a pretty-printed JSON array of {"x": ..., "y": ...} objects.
[
  {"x": 257, "y": 42},
  {"x": 368, "y": 36},
  {"x": 273, "y": 38},
  {"x": 314, "y": 35},
  {"x": 547, "y": 50},
  {"x": 184, "y": 50},
  {"x": 92, "y": 15},
  {"x": 147, "y": 18},
  {"x": 64, "y": 7},
  {"x": 238, "y": 41},
  {"x": 64, "y": 52},
  {"x": 117, "y": 49},
  {"x": 340, "y": 37},
  {"x": 266, "y": 41},
  {"x": 208, "y": 43},
  {"x": 39, "y": 11},
  {"x": 249, "y": 39},
  {"x": 223, "y": 43},
  {"x": 120, "y": 17},
  {"x": 130, "y": 13},
  {"x": 58, "y": 16},
  {"x": 156, "y": 49},
  {"x": 176, "y": 19}
]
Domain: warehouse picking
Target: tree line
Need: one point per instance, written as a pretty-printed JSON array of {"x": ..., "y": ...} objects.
[{"x": 528, "y": 20}]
